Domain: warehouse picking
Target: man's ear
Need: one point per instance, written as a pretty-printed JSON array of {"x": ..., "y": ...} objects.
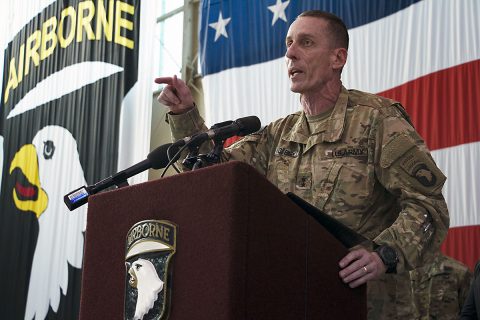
[{"x": 339, "y": 58}]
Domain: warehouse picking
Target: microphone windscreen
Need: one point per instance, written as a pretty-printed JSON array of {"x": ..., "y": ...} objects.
[
  {"x": 158, "y": 157},
  {"x": 248, "y": 125}
]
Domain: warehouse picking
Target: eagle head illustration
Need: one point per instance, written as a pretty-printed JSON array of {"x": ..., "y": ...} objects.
[
  {"x": 42, "y": 171},
  {"x": 144, "y": 278}
]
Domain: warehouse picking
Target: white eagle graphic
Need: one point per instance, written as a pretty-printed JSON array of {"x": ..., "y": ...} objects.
[
  {"x": 144, "y": 277},
  {"x": 51, "y": 167}
]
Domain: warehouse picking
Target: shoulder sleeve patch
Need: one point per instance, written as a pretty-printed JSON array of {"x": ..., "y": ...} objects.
[
  {"x": 421, "y": 170},
  {"x": 394, "y": 149},
  {"x": 417, "y": 166}
]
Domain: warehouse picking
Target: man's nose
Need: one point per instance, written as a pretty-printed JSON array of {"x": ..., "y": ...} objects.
[{"x": 291, "y": 52}]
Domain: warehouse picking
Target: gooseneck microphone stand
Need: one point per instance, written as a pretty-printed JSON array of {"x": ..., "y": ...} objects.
[{"x": 196, "y": 161}]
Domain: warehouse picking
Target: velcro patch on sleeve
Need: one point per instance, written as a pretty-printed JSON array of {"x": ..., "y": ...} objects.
[
  {"x": 394, "y": 149},
  {"x": 417, "y": 166}
]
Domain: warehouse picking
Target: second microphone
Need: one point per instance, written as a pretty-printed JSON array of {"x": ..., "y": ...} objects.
[{"x": 240, "y": 127}]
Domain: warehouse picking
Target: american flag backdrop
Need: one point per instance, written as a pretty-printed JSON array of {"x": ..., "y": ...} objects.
[{"x": 423, "y": 53}]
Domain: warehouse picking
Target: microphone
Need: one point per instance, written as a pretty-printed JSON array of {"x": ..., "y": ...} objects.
[
  {"x": 240, "y": 127},
  {"x": 156, "y": 159}
]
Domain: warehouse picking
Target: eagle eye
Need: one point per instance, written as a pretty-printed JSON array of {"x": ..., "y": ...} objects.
[
  {"x": 48, "y": 149},
  {"x": 138, "y": 266}
]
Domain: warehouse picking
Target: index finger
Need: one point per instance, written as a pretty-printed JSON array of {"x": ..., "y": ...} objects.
[{"x": 165, "y": 80}]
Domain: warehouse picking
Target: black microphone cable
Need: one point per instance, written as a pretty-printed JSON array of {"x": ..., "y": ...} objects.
[{"x": 172, "y": 160}]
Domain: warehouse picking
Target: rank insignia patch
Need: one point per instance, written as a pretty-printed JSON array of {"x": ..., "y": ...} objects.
[{"x": 149, "y": 250}]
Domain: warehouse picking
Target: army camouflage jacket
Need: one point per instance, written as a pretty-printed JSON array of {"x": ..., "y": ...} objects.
[
  {"x": 438, "y": 290},
  {"x": 365, "y": 165}
]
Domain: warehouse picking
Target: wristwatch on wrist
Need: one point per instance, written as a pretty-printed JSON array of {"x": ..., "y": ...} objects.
[{"x": 389, "y": 257}]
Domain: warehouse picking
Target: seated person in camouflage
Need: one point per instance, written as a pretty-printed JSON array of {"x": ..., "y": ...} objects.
[
  {"x": 352, "y": 154},
  {"x": 471, "y": 307},
  {"x": 437, "y": 290}
]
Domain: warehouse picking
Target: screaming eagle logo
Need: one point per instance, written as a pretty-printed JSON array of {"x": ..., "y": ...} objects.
[
  {"x": 150, "y": 247},
  {"x": 39, "y": 173}
]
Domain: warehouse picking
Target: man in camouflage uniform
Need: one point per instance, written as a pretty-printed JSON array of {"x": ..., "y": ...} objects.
[
  {"x": 436, "y": 290},
  {"x": 353, "y": 155},
  {"x": 440, "y": 288},
  {"x": 471, "y": 306}
]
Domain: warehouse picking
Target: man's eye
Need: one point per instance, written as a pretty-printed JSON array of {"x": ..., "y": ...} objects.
[{"x": 307, "y": 42}]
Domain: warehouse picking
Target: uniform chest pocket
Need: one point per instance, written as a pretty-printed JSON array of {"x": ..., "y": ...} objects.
[
  {"x": 345, "y": 193},
  {"x": 279, "y": 176}
]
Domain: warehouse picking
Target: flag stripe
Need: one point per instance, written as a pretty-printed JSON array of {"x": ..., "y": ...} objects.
[
  {"x": 443, "y": 105},
  {"x": 427, "y": 37},
  {"x": 462, "y": 244},
  {"x": 238, "y": 92},
  {"x": 462, "y": 188}
]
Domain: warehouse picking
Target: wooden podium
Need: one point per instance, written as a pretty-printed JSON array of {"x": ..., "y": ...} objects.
[{"x": 244, "y": 250}]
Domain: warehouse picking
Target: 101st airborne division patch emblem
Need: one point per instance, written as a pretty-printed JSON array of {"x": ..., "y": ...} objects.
[{"x": 149, "y": 250}]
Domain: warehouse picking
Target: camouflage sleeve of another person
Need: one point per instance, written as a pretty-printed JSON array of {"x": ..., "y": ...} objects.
[
  {"x": 406, "y": 169},
  {"x": 465, "y": 279},
  {"x": 252, "y": 149}
]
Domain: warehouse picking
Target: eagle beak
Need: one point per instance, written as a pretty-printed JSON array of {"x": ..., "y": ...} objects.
[
  {"x": 133, "y": 278},
  {"x": 27, "y": 193}
]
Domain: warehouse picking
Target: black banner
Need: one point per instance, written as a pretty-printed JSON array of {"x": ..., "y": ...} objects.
[{"x": 65, "y": 75}]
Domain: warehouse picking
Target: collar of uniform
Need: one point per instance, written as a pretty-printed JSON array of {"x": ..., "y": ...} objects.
[
  {"x": 299, "y": 132},
  {"x": 333, "y": 128},
  {"x": 336, "y": 122}
]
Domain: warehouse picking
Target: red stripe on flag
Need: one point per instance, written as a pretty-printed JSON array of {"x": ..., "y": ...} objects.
[
  {"x": 443, "y": 105},
  {"x": 463, "y": 244}
]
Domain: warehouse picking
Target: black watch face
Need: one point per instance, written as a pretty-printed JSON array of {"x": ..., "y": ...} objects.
[{"x": 389, "y": 254}]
